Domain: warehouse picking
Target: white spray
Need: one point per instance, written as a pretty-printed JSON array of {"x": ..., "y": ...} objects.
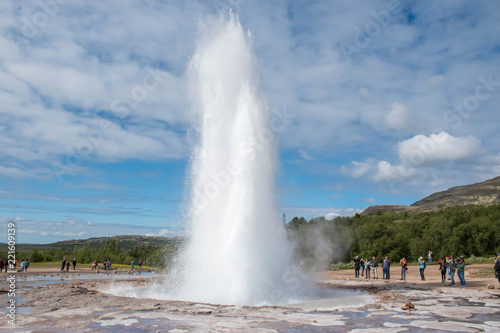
[{"x": 237, "y": 252}]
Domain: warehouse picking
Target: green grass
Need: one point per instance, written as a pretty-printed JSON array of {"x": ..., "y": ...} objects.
[{"x": 483, "y": 273}]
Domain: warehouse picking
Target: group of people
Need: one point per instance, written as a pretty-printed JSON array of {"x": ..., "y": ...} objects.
[
  {"x": 132, "y": 264},
  {"x": 106, "y": 265},
  {"x": 65, "y": 264},
  {"x": 4, "y": 265},
  {"x": 369, "y": 268},
  {"x": 448, "y": 267}
]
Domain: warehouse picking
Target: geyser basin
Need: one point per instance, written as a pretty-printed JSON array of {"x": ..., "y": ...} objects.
[{"x": 317, "y": 299}]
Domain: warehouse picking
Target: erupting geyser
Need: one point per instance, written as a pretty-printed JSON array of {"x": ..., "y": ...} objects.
[{"x": 238, "y": 252}]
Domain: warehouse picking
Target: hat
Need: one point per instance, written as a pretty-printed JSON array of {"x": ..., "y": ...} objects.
[{"x": 420, "y": 258}]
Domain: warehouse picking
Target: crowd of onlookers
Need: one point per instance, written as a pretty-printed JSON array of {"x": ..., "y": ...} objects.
[
  {"x": 4, "y": 264},
  {"x": 448, "y": 266},
  {"x": 106, "y": 265}
]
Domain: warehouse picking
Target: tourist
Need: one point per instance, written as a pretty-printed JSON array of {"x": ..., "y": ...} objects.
[
  {"x": 362, "y": 264},
  {"x": 26, "y": 265},
  {"x": 67, "y": 266},
  {"x": 448, "y": 267},
  {"x": 132, "y": 267},
  {"x": 1, "y": 265},
  {"x": 108, "y": 265},
  {"x": 404, "y": 268},
  {"x": 63, "y": 264},
  {"x": 74, "y": 263},
  {"x": 453, "y": 267},
  {"x": 94, "y": 265},
  {"x": 497, "y": 268},
  {"x": 429, "y": 256},
  {"x": 461, "y": 271},
  {"x": 386, "y": 269},
  {"x": 374, "y": 268},
  {"x": 6, "y": 265},
  {"x": 22, "y": 265},
  {"x": 140, "y": 265},
  {"x": 421, "y": 268},
  {"x": 367, "y": 269},
  {"x": 442, "y": 268},
  {"x": 356, "y": 266}
]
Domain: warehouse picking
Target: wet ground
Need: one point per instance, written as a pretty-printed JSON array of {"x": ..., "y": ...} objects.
[{"x": 82, "y": 303}]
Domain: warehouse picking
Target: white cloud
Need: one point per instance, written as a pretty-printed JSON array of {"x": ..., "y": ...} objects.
[
  {"x": 397, "y": 117},
  {"x": 423, "y": 159},
  {"x": 330, "y": 216},
  {"x": 370, "y": 200},
  {"x": 305, "y": 155},
  {"x": 311, "y": 212},
  {"x": 439, "y": 147}
]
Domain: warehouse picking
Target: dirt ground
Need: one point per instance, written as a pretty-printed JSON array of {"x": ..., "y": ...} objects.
[{"x": 79, "y": 301}]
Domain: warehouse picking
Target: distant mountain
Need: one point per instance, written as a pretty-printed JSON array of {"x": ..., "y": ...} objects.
[
  {"x": 485, "y": 193},
  {"x": 126, "y": 242}
]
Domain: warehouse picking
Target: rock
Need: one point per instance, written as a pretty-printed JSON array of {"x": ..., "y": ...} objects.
[
  {"x": 408, "y": 306},
  {"x": 490, "y": 286}
]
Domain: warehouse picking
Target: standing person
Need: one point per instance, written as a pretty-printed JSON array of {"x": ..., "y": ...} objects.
[
  {"x": 67, "y": 266},
  {"x": 63, "y": 264},
  {"x": 6, "y": 265},
  {"x": 74, "y": 263},
  {"x": 367, "y": 269},
  {"x": 429, "y": 256},
  {"x": 26, "y": 264},
  {"x": 421, "y": 268},
  {"x": 386, "y": 268},
  {"x": 356, "y": 266},
  {"x": 140, "y": 266},
  {"x": 131, "y": 267},
  {"x": 453, "y": 267},
  {"x": 404, "y": 267},
  {"x": 374, "y": 268},
  {"x": 442, "y": 268},
  {"x": 1, "y": 265},
  {"x": 461, "y": 271},
  {"x": 22, "y": 265},
  {"x": 362, "y": 263},
  {"x": 448, "y": 267},
  {"x": 497, "y": 268}
]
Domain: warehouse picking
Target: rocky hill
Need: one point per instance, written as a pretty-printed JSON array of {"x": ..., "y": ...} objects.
[{"x": 485, "y": 193}]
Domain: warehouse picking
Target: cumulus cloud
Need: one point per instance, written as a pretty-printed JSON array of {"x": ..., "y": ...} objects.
[
  {"x": 419, "y": 158},
  {"x": 439, "y": 147}
]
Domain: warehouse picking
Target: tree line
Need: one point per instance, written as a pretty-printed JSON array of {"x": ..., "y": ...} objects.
[
  {"x": 151, "y": 254},
  {"x": 472, "y": 230}
]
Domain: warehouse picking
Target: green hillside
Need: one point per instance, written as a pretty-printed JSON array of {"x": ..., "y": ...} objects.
[{"x": 480, "y": 194}]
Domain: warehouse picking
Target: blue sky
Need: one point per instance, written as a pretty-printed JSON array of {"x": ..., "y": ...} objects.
[{"x": 390, "y": 101}]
